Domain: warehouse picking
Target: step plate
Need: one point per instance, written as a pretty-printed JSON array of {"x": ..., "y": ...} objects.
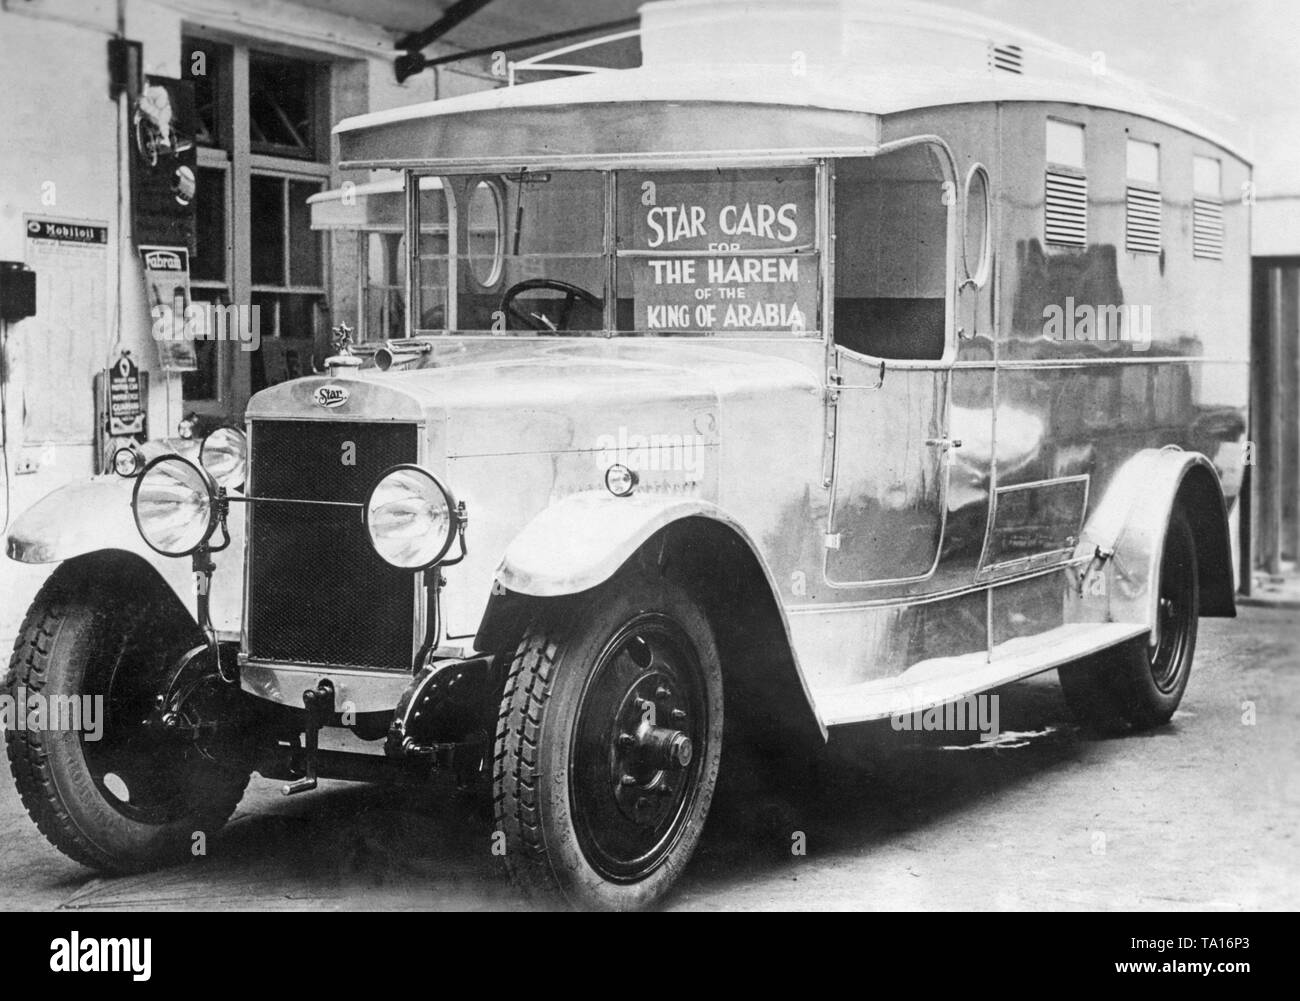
[{"x": 946, "y": 679}]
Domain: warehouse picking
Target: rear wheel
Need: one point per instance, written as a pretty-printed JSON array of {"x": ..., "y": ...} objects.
[
  {"x": 125, "y": 797},
  {"x": 1141, "y": 683},
  {"x": 608, "y": 747}
]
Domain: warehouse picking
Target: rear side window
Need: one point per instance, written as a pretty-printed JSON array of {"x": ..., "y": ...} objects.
[
  {"x": 1065, "y": 186},
  {"x": 891, "y": 239},
  {"x": 975, "y": 227}
]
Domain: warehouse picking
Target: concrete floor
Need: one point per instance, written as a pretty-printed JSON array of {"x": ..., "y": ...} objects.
[{"x": 1202, "y": 814}]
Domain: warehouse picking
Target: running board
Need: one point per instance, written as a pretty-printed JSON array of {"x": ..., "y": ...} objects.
[{"x": 947, "y": 679}]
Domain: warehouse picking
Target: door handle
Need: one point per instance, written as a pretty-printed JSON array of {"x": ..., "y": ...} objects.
[
  {"x": 835, "y": 380},
  {"x": 944, "y": 443}
]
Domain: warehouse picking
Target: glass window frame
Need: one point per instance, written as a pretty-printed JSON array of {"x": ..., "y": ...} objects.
[
  {"x": 232, "y": 153},
  {"x": 610, "y": 253},
  {"x": 978, "y": 276},
  {"x": 287, "y": 178},
  {"x": 1064, "y": 127},
  {"x": 498, "y": 263},
  {"x": 1137, "y": 180},
  {"x": 954, "y": 253},
  {"x": 317, "y": 149},
  {"x": 1199, "y": 159}
]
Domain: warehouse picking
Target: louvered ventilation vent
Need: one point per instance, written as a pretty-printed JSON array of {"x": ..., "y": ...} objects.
[
  {"x": 1007, "y": 58},
  {"x": 1066, "y": 209},
  {"x": 1207, "y": 228},
  {"x": 1142, "y": 221}
]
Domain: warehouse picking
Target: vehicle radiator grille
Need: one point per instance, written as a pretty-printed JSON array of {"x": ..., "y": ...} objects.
[{"x": 317, "y": 593}]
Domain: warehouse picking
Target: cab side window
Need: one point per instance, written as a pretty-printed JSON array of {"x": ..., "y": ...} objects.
[{"x": 891, "y": 232}]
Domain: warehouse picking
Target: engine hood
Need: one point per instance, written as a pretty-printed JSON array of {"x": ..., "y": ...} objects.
[{"x": 490, "y": 398}]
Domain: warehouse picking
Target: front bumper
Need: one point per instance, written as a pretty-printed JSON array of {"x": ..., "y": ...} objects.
[{"x": 361, "y": 691}]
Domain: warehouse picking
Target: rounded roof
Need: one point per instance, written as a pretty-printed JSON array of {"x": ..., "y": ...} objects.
[{"x": 876, "y": 57}]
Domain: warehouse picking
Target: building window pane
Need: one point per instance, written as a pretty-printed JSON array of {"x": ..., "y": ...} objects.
[
  {"x": 268, "y": 230},
  {"x": 293, "y": 334},
  {"x": 282, "y": 106},
  {"x": 208, "y": 263},
  {"x": 304, "y": 242},
  {"x": 204, "y": 64},
  {"x": 202, "y": 384},
  {"x": 299, "y": 318}
]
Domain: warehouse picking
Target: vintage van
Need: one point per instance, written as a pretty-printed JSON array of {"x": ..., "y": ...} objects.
[{"x": 841, "y": 361}]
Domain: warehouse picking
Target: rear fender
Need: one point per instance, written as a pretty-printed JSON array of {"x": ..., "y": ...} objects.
[{"x": 1127, "y": 528}]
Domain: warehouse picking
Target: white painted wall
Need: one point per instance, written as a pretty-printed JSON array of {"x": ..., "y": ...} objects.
[{"x": 60, "y": 125}]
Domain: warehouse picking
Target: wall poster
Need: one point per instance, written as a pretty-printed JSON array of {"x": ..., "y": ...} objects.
[
  {"x": 164, "y": 175},
  {"x": 62, "y": 345}
]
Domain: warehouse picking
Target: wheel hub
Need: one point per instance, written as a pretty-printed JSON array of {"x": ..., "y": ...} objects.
[
  {"x": 641, "y": 737},
  {"x": 647, "y": 757}
]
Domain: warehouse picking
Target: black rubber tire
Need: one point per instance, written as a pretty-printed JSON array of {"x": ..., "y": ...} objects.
[
  {"x": 73, "y": 625},
  {"x": 536, "y": 743},
  {"x": 1136, "y": 686},
  {"x": 1089, "y": 689}
]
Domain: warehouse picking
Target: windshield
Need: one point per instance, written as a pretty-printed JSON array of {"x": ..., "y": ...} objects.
[{"x": 721, "y": 252}]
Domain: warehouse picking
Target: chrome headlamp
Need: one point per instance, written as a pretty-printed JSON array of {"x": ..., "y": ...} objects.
[
  {"x": 175, "y": 505},
  {"x": 128, "y": 461},
  {"x": 411, "y": 518},
  {"x": 224, "y": 454}
]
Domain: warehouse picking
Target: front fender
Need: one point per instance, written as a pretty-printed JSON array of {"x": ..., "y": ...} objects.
[
  {"x": 583, "y": 539},
  {"x": 1130, "y": 522},
  {"x": 95, "y": 515}
]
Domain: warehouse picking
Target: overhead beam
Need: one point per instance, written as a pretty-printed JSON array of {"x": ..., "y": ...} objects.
[
  {"x": 460, "y": 11},
  {"x": 413, "y": 62}
]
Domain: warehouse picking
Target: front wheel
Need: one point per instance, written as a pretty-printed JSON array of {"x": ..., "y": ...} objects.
[
  {"x": 608, "y": 746},
  {"x": 108, "y": 792}
]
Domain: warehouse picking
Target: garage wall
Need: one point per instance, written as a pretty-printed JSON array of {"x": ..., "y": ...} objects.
[{"x": 60, "y": 157}]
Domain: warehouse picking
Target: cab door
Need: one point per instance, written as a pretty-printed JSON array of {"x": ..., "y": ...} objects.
[
  {"x": 891, "y": 470},
  {"x": 891, "y": 367}
]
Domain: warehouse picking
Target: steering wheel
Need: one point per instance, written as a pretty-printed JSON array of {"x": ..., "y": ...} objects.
[{"x": 536, "y": 321}]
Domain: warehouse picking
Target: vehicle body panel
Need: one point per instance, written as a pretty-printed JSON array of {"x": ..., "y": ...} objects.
[{"x": 908, "y": 567}]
